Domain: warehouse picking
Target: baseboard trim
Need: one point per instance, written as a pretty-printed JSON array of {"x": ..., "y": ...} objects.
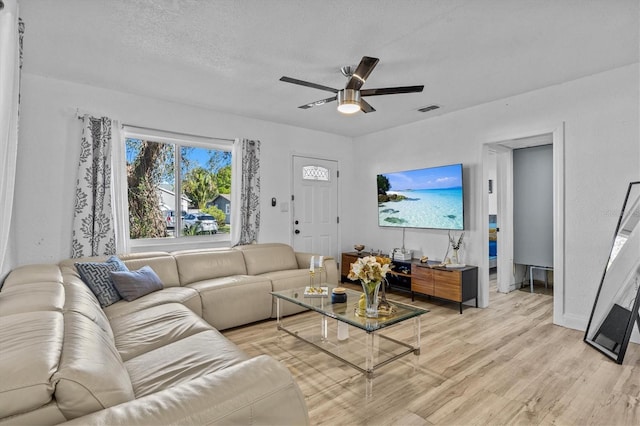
[{"x": 575, "y": 322}]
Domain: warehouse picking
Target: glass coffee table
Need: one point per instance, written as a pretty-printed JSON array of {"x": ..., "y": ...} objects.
[{"x": 370, "y": 343}]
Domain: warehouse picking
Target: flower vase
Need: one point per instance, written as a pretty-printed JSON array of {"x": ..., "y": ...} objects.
[
  {"x": 455, "y": 258},
  {"x": 370, "y": 290}
]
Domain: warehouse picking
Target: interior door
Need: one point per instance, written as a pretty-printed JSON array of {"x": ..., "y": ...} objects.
[{"x": 315, "y": 206}]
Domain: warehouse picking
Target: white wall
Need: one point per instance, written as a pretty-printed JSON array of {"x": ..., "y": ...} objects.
[
  {"x": 49, "y": 147},
  {"x": 602, "y": 152}
]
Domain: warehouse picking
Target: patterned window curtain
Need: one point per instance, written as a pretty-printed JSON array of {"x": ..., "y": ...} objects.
[
  {"x": 11, "y": 36},
  {"x": 245, "y": 204},
  {"x": 93, "y": 219}
]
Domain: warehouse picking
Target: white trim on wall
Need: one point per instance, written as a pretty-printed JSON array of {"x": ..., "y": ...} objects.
[{"x": 559, "y": 316}]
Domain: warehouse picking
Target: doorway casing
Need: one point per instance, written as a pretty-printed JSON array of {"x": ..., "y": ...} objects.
[{"x": 503, "y": 149}]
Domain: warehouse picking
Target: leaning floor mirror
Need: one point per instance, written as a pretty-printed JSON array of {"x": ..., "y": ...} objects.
[{"x": 615, "y": 313}]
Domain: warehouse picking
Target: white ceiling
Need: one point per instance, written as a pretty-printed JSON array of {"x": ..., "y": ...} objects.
[{"x": 228, "y": 55}]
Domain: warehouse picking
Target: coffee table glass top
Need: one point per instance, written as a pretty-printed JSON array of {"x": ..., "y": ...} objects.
[{"x": 346, "y": 311}]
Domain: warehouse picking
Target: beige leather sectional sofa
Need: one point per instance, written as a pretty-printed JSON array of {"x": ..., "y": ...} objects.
[{"x": 158, "y": 359}]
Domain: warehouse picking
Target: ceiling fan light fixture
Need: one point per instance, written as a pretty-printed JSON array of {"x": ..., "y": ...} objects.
[{"x": 348, "y": 101}]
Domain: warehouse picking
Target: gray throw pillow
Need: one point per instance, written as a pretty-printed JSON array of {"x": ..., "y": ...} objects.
[
  {"x": 96, "y": 277},
  {"x": 134, "y": 284}
]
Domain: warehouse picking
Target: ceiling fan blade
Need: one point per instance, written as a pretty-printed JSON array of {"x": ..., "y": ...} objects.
[
  {"x": 318, "y": 103},
  {"x": 307, "y": 84},
  {"x": 360, "y": 75},
  {"x": 365, "y": 107},
  {"x": 391, "y": 90}
]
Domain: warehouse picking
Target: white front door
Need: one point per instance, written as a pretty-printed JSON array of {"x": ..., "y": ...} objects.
[{"x": 315, "y": 206}]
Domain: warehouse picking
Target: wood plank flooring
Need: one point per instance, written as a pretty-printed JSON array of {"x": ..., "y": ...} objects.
[{"x": 506, "y": 364}]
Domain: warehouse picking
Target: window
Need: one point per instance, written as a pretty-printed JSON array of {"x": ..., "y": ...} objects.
[
  {"x": 167, "y": 174},
  {"x": 315, "y": 173}
]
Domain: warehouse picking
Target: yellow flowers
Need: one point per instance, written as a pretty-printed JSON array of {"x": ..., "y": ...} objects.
[
  {"x": 383, "y": 260},
  {"x": 369, "y": 269}
]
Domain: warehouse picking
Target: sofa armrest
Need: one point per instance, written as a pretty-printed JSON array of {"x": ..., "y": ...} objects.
[
  {"x": 330, "y": 265},
  {"x": 257, "y": 391}
]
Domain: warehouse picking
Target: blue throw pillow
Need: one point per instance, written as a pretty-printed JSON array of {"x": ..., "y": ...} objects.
[
  {"x": 96, "y": 277},
  {"x": 134, "y": 284}
]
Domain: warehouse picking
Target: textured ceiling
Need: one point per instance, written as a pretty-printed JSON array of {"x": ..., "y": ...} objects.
[{"x": 228, "y": 55}]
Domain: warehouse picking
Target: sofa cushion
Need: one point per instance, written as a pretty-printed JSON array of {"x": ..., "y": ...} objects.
[
  {"x": 79, "y": 298},
  {"x": 163, "y": 264},
  {"x": 96, "y": 276},
  {"x": 261, "y": 258},
  {"x": 285, "y": 280},
  {"x": 134, "y": 284},
  {"x": 148, "y": 329},
  {"x": 91, "y": 375},
  {"x": 29, "y": 355},
  {"x": 258, "y": 391},
  {"x": 48, "y": 414},
  {"x": 32, "y": 273},
  {"x": 29, "y": 297},
  {"x": 203, "y": 265},
  {"x": 232, "y": 301},
  {"x": 184, "y": 295},
  {"x": 182, "y": 361}
]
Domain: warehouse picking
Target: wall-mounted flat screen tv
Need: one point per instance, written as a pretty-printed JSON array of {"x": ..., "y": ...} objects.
[{"x": 424, "y": 198}]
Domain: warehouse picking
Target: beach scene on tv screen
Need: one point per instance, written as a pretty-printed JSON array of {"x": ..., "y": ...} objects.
[{"x": 423, "y": 198}]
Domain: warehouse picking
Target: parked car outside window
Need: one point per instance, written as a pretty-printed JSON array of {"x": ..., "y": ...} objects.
[
  {"x": 171, "y": 219},
  {"x": 200, "y": 223}
]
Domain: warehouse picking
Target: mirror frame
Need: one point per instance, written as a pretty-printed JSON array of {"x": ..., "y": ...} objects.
[{"x": 634, "y": 315}]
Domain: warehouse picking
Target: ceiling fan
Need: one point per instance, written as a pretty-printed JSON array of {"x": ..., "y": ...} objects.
[{"x": 350, "y": 98}]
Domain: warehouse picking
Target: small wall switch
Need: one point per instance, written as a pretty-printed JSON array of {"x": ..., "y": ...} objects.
[{"x": 284, "y": 207}]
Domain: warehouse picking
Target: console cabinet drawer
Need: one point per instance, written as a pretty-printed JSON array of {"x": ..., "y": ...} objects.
[
  {"x": 455, "y": 285},
  {"x": 422, "y": 280},
  {"x": 448, "y": 285}
]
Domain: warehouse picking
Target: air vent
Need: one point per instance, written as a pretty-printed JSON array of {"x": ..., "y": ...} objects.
[{"x": 429, "y": 108}]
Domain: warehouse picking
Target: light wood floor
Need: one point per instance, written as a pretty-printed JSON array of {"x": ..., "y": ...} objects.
[{"x": 506, "y": 364}]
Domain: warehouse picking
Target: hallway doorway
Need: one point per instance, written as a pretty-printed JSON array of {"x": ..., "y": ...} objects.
[{"x": 508, "y": 275}]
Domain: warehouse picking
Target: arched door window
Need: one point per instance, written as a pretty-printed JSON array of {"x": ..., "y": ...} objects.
[{"x": 315, "y": 173}]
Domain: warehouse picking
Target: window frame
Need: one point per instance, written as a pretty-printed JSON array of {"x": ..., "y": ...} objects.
[{"x": 179, "y": 140}]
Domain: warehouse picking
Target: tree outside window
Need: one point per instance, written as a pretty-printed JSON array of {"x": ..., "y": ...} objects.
[{"x": 164, "y": 187}]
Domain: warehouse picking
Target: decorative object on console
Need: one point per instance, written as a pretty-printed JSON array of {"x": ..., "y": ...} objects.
[
  {"x": 359, "y": 248},
  {"x": 401, "y": 254},
  {"x": 370, "y": 271},
  {"x": 455, "y": 245}
]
